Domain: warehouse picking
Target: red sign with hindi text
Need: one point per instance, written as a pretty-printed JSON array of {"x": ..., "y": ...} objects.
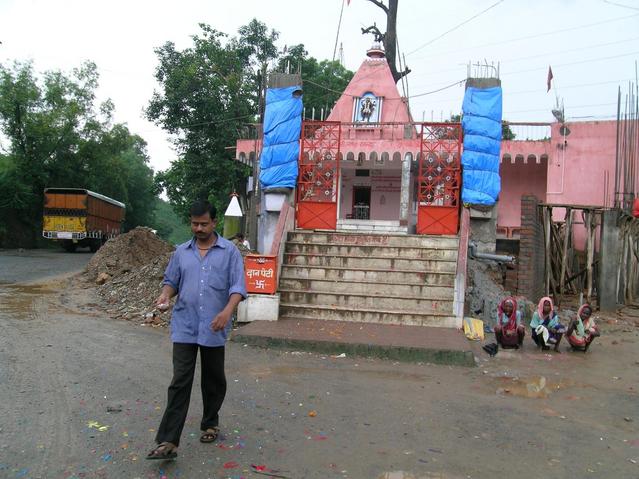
[{"x": 261, "y": 273}]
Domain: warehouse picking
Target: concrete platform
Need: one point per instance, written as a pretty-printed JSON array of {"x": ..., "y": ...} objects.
[{"x": 396, "y": 342}]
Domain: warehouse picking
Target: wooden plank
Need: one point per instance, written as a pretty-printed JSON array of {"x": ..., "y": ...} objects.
[
  {"x": 588, "y": 216},
  {"x": 564, "y": 254},
  {"x": 548, "y": 251}
]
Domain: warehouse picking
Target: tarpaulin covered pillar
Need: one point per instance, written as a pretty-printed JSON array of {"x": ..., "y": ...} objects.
[
  {"x": 481, "y": 122},
  {"x": 278, "y": 161}
]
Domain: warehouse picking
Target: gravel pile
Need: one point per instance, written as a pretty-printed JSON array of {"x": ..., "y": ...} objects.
[
  {"x": 129, "y": 270},
  {"x": 126, "y": 253},
  {"x": 132, "y": 295}
]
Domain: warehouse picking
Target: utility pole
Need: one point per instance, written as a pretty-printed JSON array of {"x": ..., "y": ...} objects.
[{"x": 259, "y": 135}]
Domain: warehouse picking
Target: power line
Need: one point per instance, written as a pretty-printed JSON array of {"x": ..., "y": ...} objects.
[
  {"x": 543, "y": 55},
  {"x": 530, "y": 37},
  {"x": 572, "y": 107},
  {"x": 620, "y": 5},
  {"x": 543, "y": 90},
  {"x": 460, "y": 82},
  {"x": 455, "y": 27},
  {"x": 567, "y": 51},
  {"x": 573, "y": 63}
]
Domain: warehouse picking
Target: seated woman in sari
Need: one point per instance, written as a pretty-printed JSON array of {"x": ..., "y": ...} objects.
[
  {"x": 509, "y": 332},
  {"x": 582, "y": 330},
  {"x": 546, "y": 329}
]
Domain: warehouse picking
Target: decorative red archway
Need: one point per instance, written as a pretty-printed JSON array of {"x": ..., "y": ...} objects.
[
  {"x": 318, "y": 179},
  {"x": 439, "y": 178}
]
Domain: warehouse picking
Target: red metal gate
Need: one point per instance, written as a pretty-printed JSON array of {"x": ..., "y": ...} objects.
[
  {"x": 318, "y": 180},
  {"x": 439, "y": 178}
]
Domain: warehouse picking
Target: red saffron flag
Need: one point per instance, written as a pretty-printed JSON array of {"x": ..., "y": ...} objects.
[{"x": 550, "y": 77}]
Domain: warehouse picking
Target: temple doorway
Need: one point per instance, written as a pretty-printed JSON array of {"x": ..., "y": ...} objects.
[{"x": 361, "y": 202}]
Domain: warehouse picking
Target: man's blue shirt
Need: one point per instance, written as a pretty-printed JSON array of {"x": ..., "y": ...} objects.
[{"x": 203, "y": 285}]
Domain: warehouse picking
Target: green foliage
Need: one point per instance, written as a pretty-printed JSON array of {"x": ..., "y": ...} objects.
[
  {"x": 207, "y": 92},
  {"x": 324, "y": 81},
  {"x": 169, "y": 225},
  {"x": 210, "y": 91},
  {"x": 506, "y": 132},
  {"x": 55, "y": 138}
]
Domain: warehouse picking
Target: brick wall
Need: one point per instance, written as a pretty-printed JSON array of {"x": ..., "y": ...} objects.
[{"x": 530, "y": 281}]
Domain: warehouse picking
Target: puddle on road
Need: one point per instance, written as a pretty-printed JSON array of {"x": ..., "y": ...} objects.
[
  {"x": 21, "y": 301},
  {"x": 538, "y": 387}
]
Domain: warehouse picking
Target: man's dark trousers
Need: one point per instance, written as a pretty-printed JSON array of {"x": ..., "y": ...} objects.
[{"x": 213, "y": 389}]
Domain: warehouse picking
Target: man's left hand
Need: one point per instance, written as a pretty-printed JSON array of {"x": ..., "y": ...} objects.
[{"x": 220, "y": 321}]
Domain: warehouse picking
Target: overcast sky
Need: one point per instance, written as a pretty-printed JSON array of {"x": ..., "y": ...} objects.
[{"x": 592, "y": 46}]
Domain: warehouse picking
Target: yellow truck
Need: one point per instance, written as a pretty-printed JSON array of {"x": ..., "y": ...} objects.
[{"x": 79, "y": 217}]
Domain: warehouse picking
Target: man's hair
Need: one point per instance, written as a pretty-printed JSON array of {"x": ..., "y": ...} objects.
[{"x": 201, "y": 207}]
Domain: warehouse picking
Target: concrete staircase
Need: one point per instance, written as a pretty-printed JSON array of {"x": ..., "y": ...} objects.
[{"x": 369, "y": 278}]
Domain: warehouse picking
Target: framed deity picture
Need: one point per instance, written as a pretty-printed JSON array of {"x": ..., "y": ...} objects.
[{"x": 367, "y": 108}]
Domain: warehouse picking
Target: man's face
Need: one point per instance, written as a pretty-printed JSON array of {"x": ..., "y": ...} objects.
[{"x": 202, "y": 226}]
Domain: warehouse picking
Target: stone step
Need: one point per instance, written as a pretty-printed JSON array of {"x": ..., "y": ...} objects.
[
  {"x": 425, "y": 277},
  {"x": 372, "y": 228},
  {"x": 400, "y": 289},
  {"x": 372, "y": 250},
  {"x": 362, "y": 315},
  {"x": 375, "y": 262},
  {"x": 347, "y": 238},
  {"x": 388, "y": 301}
]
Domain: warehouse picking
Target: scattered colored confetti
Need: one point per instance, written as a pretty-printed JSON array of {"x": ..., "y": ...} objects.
[
  {"x": 107, "y": 457},
  {"x": 312, "y": 413},
  {"x": 98, "y": 426},
  {"x": 230, "y": 465}
]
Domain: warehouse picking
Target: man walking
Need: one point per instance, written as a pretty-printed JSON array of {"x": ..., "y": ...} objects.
[{"x": 207, "y": 274}]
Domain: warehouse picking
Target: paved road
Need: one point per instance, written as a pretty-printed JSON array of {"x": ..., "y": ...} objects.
[
  {"x": 36, "y": 264},
  {"x": 64, "y": 367}
]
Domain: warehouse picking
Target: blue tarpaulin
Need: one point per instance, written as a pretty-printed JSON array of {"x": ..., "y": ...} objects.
[
  {"x": 280, "y": 150},
  {"x": 482, "y": 141}
]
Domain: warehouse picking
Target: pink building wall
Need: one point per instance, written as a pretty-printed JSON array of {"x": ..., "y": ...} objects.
[
  {"x": 582, "y": 165},
  {"x": 519, "y": 179},
  {"x": 577, "y": 169}
]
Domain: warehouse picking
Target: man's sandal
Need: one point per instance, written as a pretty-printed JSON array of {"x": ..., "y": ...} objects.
[
  {"x": 164, "y": 451},
  {"x": 210, "y": 435}
]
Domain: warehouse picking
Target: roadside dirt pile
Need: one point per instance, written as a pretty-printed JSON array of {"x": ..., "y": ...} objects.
[
  {"x": 132, "y": 295},
  {"x": 126, "y": 253},
  {"x": 129, "y": 271}
]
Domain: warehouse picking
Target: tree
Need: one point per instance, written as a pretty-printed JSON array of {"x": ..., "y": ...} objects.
[
  {"x": 389, "y": 38},
  {"x": 324, "y": 81},
  {"x": 506, "y": 132},
  {"x": 56, "y": 138},
  {"x": 208, "y": 92}
]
